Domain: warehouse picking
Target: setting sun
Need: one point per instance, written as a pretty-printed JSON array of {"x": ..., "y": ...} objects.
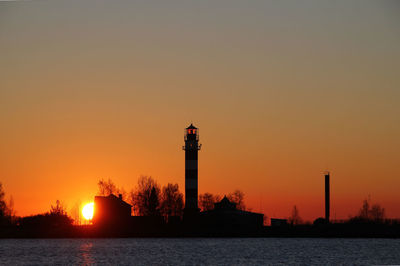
[{"x": 87, "y": 211}]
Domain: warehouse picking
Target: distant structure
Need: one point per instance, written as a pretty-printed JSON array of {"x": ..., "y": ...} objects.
[
  {"x": 111, "y": 210},
  {"x": 275, "y": 222},
  {"x": 226, "y": 217},
  {"x": 327, "y": 196},
  {"x": 191, "y": 148},
  {"x": 112, "y": 215}
]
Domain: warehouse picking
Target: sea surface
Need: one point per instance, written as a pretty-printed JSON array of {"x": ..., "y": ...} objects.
[{"x": 198, "y": 251}]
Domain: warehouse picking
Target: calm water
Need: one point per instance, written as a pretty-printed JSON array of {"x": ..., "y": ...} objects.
[{"x": 226, "y": 251}]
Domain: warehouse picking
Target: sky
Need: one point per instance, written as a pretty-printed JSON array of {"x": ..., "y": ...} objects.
[{"x": 280, "y": 90}]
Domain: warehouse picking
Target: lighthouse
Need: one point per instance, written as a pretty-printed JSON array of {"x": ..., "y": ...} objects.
[{"x": 191, "y": 148}]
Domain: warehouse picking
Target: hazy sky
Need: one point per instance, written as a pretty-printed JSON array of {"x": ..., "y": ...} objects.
[{"x": 281, "y": 91}]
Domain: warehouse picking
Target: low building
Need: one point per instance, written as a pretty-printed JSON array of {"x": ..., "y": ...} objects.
[
  {"x": 225, "y": 217},
  {"x": 278, "y": 222},
  {"x": 111, "y": 210}
]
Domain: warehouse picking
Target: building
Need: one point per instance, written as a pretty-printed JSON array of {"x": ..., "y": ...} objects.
[
  {"x": 111, "y": 210},
  {"x": 225, "y": 217},
  {"x": 112, "y": 215},
  {"x": 191, "y": 149},
  {"x": 278, "y": 222}
]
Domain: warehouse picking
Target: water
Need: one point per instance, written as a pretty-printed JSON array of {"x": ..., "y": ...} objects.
[{"x": 222, "y": 251}]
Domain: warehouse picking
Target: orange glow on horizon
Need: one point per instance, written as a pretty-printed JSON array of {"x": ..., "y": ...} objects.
[{"x": 276, "y": 97}]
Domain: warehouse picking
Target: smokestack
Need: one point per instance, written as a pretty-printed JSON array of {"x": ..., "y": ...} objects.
[{"x": 327, "y": 197}]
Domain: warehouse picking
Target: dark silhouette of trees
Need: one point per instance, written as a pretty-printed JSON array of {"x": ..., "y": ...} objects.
[
  {"x": 3, "y": 205},
  {"x": 10, "y": 213},
  {"x": 108, "y": 187},
  {"x": 7, "y": 213},
  {"x": 56, "y": 222},
  {"x": 171, "y": 201},
  {"x": 76, "y": 213},
  {"x": 207, "y": 201},
  {"x": 58, "y": 216},
  {"x": 377, "y": 213},
  {"x": 370, "y": 213},
  {"x": 146, "y": 198},
  {"x": 295, "y": 218},
  {"x": 153, "y": 206},
  {"x": 58, "y": 209},
  {"x": 237, "y": 197}
]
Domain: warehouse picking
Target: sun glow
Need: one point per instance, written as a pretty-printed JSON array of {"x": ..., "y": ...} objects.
[{"x": 87, "y": 211}]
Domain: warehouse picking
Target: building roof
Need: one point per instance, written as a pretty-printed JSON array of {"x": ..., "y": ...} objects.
[
  {"x": 226, "y": 207},
  {"x": 191, "y": 126},
  {"x": 225, "y": 204},
  {"x": 114, "y": 198}
]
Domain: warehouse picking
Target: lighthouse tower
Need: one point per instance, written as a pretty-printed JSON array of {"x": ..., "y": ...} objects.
[{"x": 191, "y": 148}]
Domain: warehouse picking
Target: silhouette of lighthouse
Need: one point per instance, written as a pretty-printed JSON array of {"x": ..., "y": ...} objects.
[{"x": 191, "y": 148}]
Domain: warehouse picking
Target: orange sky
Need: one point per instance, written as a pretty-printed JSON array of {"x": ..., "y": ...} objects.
[{"x": 280, "y": 92}]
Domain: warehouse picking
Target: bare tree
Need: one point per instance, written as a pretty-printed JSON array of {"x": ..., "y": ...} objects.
[
  {"x": 11, "y": 210},
  {"x": 295, "y": 219},
  {"x": 377, "y": 213},
  {"x": 106, "y": 187},
  {"x": 207, "y": 201},
  {"x": 58, "y": 209},
  {"x": 374, "y": 213},
  {"x": 76, "y": 213},
  {"x": 146, "y": 198},
  {"x": 237, "y": 197},
  {"x": 3, "y": 205},
  {"x": 171, "y": 201},
  {"x": 134, "y": 201},
  {"x": 364, "y": 210},
  {"x": 7, "y": 212}
]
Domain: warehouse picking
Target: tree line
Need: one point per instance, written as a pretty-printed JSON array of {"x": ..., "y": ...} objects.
[
  {"x": 368, "y": 213},
  {"x": 54, "y": 221},
  {"x": 148, "y": 198},
  {"x": 7, "y": 213}
]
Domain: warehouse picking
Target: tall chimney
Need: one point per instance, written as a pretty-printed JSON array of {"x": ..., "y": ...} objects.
[{"x": 327, "y": 197}]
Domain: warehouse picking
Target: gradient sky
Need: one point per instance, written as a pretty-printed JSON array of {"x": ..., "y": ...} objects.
[{"x": 281, "y": 91}]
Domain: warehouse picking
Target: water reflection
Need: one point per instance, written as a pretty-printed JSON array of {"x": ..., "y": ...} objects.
[
  {"x": 208, "y": 251},
  {"x": 86, "y": 254}
]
